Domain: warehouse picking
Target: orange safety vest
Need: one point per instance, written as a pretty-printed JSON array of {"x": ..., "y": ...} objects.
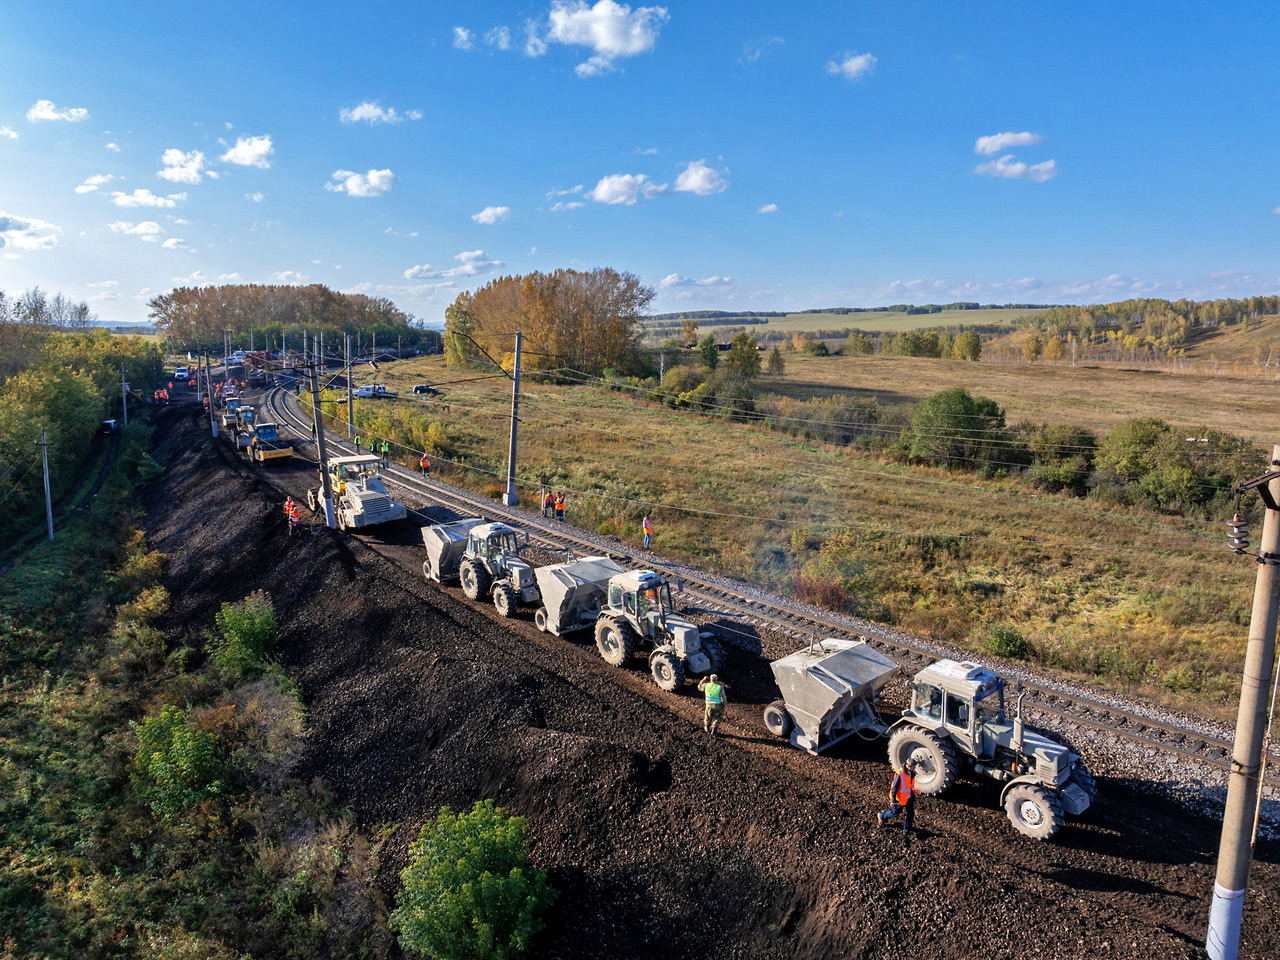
[
  {"x": 906, "y": 786},
  {"x": 560, "y": 502},
  {"x": 424, "y": 463},
  {"x": 547, "y": 500},
  {"x": 648, "y": 526}
]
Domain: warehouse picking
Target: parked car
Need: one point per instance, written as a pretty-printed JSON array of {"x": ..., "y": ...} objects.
[
  {"x": 108, "y": 427},
  {"x": 372, "y": 390},
  {"x": 422, "y": 389},
  {"x": 181, "y": 373}
]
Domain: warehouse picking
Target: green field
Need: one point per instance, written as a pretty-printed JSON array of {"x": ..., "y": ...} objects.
[{"x": 880, "y": 320}]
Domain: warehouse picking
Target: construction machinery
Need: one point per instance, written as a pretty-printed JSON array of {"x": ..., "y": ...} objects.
[
  {"x": 957, "y": 720},
  {"x": 445, "y": 543},
  {"x": 267, "y": 444},
  {"x": 829, "y": 692},
  {"x": 246, "y": 416},
  {"x": 360, "y": 498},
  {"x": 228, "y": 417},
  {"x": 573, "y": 593},
  {"x": 638, "y": 611},
  {"x": 491, "y": 566}
]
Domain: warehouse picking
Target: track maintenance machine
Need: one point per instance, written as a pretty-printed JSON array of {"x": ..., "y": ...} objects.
[
  {"x": 956, "y": 721},
  {"x": 485, "y": 557},
  {"x": 267, "y": 444},
  {"x": 638, "y": 611},
  {"x": 360, "y": 498}
]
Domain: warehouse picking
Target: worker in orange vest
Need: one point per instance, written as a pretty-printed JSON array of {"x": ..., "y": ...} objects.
[
  {"x": 424, "y": 465},
  {"x": 559, "y": 506},
  {"x": 294, "y": 515},
  {"x": 547, "y": 502},
  {"x": 902, "y": 797},
  {"x": 647, "y": 526}
]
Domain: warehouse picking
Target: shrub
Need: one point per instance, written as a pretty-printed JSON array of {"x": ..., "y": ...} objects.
[
  {"x": 1007, "y": 642},
  {"x": 249, "y": 633},
  {"x": 176, "y": 765},
  {"x": 467, "y": 892}
]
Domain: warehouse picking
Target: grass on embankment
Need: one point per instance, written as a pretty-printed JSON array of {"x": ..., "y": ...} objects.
[{"x": 1130, "y": 599}]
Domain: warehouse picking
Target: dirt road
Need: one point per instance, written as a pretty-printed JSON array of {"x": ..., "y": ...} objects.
[{"x": 662, "y": 841}]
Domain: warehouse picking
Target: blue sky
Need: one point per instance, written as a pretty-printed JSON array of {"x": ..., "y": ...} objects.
[{"x": 734, "y": 155}]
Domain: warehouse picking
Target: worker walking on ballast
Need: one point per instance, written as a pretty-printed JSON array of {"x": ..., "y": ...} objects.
[
  {"x": 647, "y": 526},
  {"x": 714, "y": 691},
  {"x": 902, "y": 797}
]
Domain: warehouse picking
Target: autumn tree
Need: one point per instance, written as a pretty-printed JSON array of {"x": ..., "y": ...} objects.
[
  {"x": 860, "y": 345},
  {"x": 710, "y": 351},
  {"x": 1054, "y": 350},
  {"x": 689, "y": 332},
  {"x": 777, "y": 366},
  {"x": 1031, "y": 348},
  {"x": 967, "y": 346},
  {"x": 744, "y": 357}
]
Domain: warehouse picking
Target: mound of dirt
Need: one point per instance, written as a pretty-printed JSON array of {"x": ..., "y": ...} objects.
[{"x": 661, "y": 840}]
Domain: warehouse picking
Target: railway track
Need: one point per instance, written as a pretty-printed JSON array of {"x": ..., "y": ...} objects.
[{"x": 1069, "y": 707}]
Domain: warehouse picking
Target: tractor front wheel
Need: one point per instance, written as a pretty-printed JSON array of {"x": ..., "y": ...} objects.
[
  {"x": 475, "y": 579},
  {"x": 935, "y": 758},
  {"x": 668, "y": 671},
  {"x": 1034, "y": 810},
  {"x": 615, "y": 641},
  {"x": 504, "y": 600}
]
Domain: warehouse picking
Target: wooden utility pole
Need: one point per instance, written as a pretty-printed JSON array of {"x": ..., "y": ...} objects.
[
  {"x": 321, "y": 452},
  {"x": 509, "y": 498},
  {"x": 1235, "y": 854},
  {"x": 43, "y": 444}
]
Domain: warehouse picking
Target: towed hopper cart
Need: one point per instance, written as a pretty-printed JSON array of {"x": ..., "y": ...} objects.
[{"x": 573, "y": 593}]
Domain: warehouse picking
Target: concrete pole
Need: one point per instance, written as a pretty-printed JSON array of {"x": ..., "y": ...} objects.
[
  {"x": 351, "y": 406},
  {"x": 321, "y": 452},
  {"x": 509, "y": 498},
  {"x": 124, "y": 396},
  {"x": 48, "y": 501},
  {"x": 208, "y": 389},
  {"x": 1235, "y": 854}
]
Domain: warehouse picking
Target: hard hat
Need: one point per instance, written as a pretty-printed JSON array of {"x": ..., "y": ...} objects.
[{"x": 715, "y": 677}]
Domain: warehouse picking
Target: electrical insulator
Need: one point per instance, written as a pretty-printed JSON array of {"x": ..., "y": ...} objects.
[{"x": 1237, "y": 535}]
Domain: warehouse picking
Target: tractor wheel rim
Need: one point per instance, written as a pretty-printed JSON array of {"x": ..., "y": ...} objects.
[{"x": 1030, "y": 813}]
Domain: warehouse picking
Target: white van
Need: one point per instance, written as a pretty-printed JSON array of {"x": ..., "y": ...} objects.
[{"x": 180, "y": 373}]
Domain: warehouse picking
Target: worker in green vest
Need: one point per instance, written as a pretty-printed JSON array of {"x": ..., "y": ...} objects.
[{"x": 714, "y": 691}]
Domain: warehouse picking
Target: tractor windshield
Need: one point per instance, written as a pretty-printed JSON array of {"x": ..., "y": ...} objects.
[
  {"x": 507, "y": 543},
  {"x": 989, "y": 701},
  {"x": 654, "y": 600}
]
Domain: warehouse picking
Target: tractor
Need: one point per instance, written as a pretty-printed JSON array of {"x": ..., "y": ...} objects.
[
  {"x": 491, "y": 565},
  {"x": 957, "y": 719},
  {"x": 638, "y": 611},
  {"x": 360, "y": 498}
]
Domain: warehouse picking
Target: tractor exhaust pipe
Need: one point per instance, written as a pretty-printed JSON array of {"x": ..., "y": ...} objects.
[{"x": 1017, "y": 725}]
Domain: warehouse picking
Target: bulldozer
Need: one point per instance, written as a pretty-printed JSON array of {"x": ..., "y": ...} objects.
[
  {"x": 638, "y": 611},
  {"x": 491, "y": 566},
  {"x": 360, "y": 498},
  {"x": 957, "y": 720}
]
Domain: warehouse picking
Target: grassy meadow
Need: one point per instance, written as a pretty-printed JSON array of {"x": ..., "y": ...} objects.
[{"x": 1129, "y": 598}]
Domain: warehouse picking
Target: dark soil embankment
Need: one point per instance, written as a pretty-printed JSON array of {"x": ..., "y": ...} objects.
[{"x": 661, "y": 841}]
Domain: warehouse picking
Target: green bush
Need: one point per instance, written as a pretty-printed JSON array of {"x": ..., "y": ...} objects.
[
  {"x": 467, "y": 892},
  {"x": 1007, "y": 642},
  {"x": 176, "y": 765},
  {"x": 249, "y": 633}
]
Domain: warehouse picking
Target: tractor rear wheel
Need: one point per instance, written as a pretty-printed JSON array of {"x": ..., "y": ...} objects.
[
  {"x": 475, "y": 579},
  {"x": 540, "y": 619},
  {"x": 935, "y": 758},
  {"x": 504, "y": 600},
  {"x": 668, "y": 671},
  {"x": 615, "y": 641},
  {"x": 1034, "y": 810},
  {"x": 777, "y": 720},
  {"x": 714, "y": 649}
]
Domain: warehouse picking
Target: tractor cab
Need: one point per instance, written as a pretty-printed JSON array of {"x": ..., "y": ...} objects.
[
  {"x": 643, "y": 597},
  {"x": 489, "y": 541},
  {"x": 965, "y": 700},
  {"x": 361, "y": 471}
]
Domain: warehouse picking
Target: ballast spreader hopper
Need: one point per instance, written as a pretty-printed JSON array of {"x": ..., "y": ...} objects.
[
  {"x": 573, "y": 593},
  {"x": 829, "y": 692},
  {"x": 445, "y": 543}
]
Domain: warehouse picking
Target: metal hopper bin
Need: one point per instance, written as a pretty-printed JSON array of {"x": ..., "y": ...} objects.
[
  {"x": 829, "y": 691},
  {"x": 445, "y": 543},
  {"x": 572, "y": 593}
]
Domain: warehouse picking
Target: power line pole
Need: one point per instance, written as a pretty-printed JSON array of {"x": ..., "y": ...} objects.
[
  {"x": 1235, "y": 854},
  {"x": 351, "y": 408},
  {"x": 321, "y": 452},
  {"x": 124, "y": 396},
  {"x": 43, "y": 444},
  {"x": 213, "y": 417},
  {"x": 509, "y": 498}
]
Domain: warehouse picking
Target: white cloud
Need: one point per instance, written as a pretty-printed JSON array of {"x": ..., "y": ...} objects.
[
  {"x": 647, "y": 151},
  {"x": 625, "y": 188},
  {"x": 94, "y": 182},
  {"x": 250, "y": 152},
  {"x": 27, "y": 233},
  {"x": 751, "y": 52},
  {"x": 289, "y": 276},
  {"x": 472, "y": 262},
  {"x": 678, "y": 280},
  {"x": 611, "y": 29},
  {"x": 561, "y": 207},
  {"x": 179, "y": 221},
  {"x": 375, "y": 183},
  {"x": 197, "y": 277},
  {"x": 768, "y": 208},
  {"x": 990, "y": 146},
  {"x": 1012, "y": 169},
  {"x": 534, "y": 45},
  {"x": 370, "y": 112},
  {"x": 697, "y": 178},
  {"x": 6, "y": 132},
  {"x": 228, "y": 277},
  {"x": 463, "y": 39},
  {"x": 491, "y": 215},
  {"x": 175, "y": 243},
  {"x": 45, "y": 110},
  {"x": 1276, "y": 211},
  {"x": 564, "y": 193},
  {"x": 104, "y": 296},
  {"x": 104, "y": 283},
  {"x": 143, "y": 197},
  {"x": 113, "y": 147},
  {"x": 182, "y": 167},
  {"x": 499, "y": 37},
  {"x": 255, "y": 197},
  {"x": 852, "y": 66},
  {"x": 147, "y": 230}
]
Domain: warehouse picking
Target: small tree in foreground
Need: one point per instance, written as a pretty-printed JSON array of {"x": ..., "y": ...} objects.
[
  {"x": 467, "y": 892},
  {"x": 248, "y": 631}
]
